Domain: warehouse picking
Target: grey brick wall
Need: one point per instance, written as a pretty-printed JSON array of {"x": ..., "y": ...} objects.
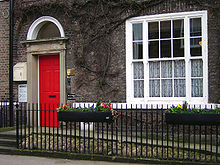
[
  {"x": 84, "y": 83},
  {"x": 4, "y": 50}
]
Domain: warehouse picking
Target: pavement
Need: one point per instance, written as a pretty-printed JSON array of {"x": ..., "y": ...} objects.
[{"x": 33, "y": 160}]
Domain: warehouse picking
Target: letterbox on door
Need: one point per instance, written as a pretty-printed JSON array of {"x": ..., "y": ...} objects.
[{"x": 20, "y": 71}]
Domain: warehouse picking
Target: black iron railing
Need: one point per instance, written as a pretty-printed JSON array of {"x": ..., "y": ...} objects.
[
  {"x": 4, "y": 114},
  {"x": 136, "y": 132}
]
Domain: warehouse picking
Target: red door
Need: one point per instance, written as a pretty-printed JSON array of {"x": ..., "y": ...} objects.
[{"x": 49, "y": 89}]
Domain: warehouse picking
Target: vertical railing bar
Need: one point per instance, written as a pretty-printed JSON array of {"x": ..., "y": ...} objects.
[
  {"x": 178, "y": 142},
  {"x": 93, "y": 136},
  {"x": 75, "y": 137},
  {"x": 167, "y": 142},
  {"x": 205, "y": 143},
  {"x": 172, "y": 141},
  {"x": 200, "y": 141},
  {"x": 79, "y": 137},
  {"x": 189, "y": 133},
  {"x": 116, "y": 131},
  {"x": 216, "y": 143},
  {"x": 121, "y": 131},
  {"x": 152, "y": 130},
  {"x": 1, "y": 117},
  {"x": 58, "y": 124},
  {"x": 205, "y": 139},
  {"x": 29, "y": 125},
  {"x": 136, "y": 133},
  {"x": 25, "y": 126},
  {"x": 53, "y": 127},
  {"x": 131, "y": 130},
  {"x": 41, "y": 125},
  {"x": 112, "y": 137},
  {"x": 162, "y": 115},
  {"x": 194, "y": 139},
  {"x": 71, "y": 136},
  {"x": 21, "y": 127},
  {"x": 157, "y": 131},
  {"x": 37, "y": 124},
  {"x": 146, "y": 125},
  {"x": 102, "y": 139},
  {"x": 183, "y": 141},
  {"x": 189, "y": 142},
  {"x": 84, "y": 137},
  {"x": 45, "y": 126},
  {"x": 98, "y": 137},
  {"x": 67, "y": 123},
  {"x": 33, "y": 132},
  {"x": 141, "y": 154},
  {"x": 49, "y": 111},
  {"x": 88, "y": 135},
  {"x": 61, "y": 135},
  {"x": 33, "y": 125},
  {"x": 17, "y": 126},
  {"x": 6, "y": 116},
  {"x": 107, "y": 137},
  {"x": 126, "y": 131},
  {"x": 211, "y": 142}
]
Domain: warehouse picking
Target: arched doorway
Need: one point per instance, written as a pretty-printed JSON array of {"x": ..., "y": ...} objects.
[{"x": 46, "y": 63}]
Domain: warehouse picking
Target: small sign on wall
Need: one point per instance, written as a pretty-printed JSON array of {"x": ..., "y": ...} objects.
[{"x": 22, "y": 93}]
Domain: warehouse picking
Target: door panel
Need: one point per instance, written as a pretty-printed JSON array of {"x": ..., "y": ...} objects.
[{"x": 49, "y": 89}]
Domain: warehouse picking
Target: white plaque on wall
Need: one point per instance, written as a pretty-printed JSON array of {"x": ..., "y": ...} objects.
[{"x": 22, "y": 93}]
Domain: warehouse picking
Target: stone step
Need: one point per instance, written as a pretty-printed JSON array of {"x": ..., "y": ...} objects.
[{"x": 8, "y": 142}]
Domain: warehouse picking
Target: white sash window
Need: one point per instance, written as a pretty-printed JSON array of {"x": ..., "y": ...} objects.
[{"x": 167, "y": 58}]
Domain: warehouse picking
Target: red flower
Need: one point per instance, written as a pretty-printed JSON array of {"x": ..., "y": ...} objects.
[{"x": 218, "y": 108}]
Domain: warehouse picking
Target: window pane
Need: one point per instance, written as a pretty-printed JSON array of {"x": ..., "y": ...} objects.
[
  {"x": 196, "y": 68},
  {"x": 165, "y": 29},
  {"x": 167, "y": 90},
  {"x": 178, "y": 28},
  {"x": 165, "y": 48},
  {"x": 153, "y": 30},
  {"x": 166, "y": 69},
  {"x": 197, "y": 87},
  {"x": 154, "y": 88},
  {"x": 154, "y": 69},
  {"x": 195, "y": 47},
  {"x": 179, "y": 88},
  {"x": 195, "y": 27},
  {"x": 137, "y": 31},
  {"x": 178, "y": 48},
  {"x": 179, "y": 68},
  {"x": 154, "y": 49},
  {"x": 138, "y": 88},
  {"x": 138, "y": 70},
  {"x": 137, "y": 50}
]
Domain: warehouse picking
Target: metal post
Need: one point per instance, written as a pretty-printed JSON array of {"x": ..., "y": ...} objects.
[{"x": 11, "y": 65}]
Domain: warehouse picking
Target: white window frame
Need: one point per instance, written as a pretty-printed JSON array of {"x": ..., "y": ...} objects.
[{"x": 129, "y": 58}]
